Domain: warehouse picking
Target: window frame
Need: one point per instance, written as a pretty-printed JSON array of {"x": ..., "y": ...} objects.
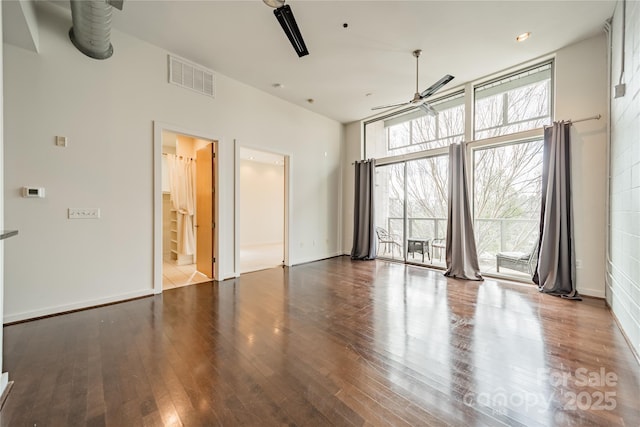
[
  {"x": 468, "y": 95},
  {"x": 414, "y": 111},
  {"x": 491, "y": 143},
  {"x": 478, "y": 84}
]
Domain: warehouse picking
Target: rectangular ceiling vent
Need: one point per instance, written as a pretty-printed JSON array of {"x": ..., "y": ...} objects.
[{"x": 191, "y": 76}]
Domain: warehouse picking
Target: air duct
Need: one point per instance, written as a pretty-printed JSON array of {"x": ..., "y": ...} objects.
[{"x": 91, "y": 30}]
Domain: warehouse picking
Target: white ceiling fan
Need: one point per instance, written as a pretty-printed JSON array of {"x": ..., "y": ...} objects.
[{"x": 419, "y": 97}]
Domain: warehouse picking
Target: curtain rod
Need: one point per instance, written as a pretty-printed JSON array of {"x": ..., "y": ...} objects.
[
  {"x": 596, "y": 117},
  {"x": 180, "y": 157}
]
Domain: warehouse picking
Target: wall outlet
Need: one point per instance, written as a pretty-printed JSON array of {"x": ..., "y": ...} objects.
[
  {"x": 84, "y": 213},
  {"x": 578, "y": 263}
]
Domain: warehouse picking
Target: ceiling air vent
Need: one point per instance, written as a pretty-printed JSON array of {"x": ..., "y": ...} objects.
[{"x": 191, "y": 76}]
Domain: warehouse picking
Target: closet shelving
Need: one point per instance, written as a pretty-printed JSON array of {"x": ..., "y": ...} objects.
[{"x": 174, "y": 235}]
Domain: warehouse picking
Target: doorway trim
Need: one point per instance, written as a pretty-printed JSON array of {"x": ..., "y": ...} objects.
[
  {"x": 158, "y": 127},
  {"x": 236, "y": 202}
]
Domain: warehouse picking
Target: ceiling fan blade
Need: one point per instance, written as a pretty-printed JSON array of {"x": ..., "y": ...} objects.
[
  {"x": 436, "y": 86},
  {"x": 427, "y": 108},
  {"x": 391, "y": 106}
]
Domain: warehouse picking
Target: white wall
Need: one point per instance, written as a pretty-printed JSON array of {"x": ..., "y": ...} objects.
[
  {"x": 21, "y": 24},
  {"x": 4, "y": 376},
  {"x": 623, "y": 290},
  {"x": 352, "y": 151},
  {"x": 581, "y": 91},
  {"x": 106, "y": 109},
  {"x": 261, "y": 203}
]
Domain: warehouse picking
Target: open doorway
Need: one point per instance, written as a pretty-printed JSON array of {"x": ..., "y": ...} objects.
[
  {"x": 186, "y": 213},
  {"x": 262, "y": 201}
]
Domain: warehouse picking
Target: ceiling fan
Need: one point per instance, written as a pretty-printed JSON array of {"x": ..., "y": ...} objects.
[{"x": 420, "y": 96}]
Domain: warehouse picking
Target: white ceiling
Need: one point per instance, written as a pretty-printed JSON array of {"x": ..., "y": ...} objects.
[{"x": 468, "y": 39}]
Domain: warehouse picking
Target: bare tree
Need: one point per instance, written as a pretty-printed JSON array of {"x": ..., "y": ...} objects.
[{"x": 507, "y": 183}]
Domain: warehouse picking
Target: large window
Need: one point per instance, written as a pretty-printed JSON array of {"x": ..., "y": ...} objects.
[
  {"x": 516, "y": 103},
  {"x": 390, "y": 208},
  {"x": 506, "y": 172},
  {"x": 427, "y": 188},
  {"x": 411, "y": 209},
  {"x": 507, "y": 192}
]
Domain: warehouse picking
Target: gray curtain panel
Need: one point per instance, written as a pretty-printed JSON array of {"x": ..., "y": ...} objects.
[
  {"x": 364, "y": 237},
  {"x": 555, "y": 273},
  {"x": 462, "y": 256}
]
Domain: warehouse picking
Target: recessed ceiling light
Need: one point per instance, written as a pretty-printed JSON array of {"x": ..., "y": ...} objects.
[
  {"x": 277, "y": 85},
  {"x": 368, "y": 94},
  {"x": 310, "y": 100},
  {"x": 522, "y": 37}
]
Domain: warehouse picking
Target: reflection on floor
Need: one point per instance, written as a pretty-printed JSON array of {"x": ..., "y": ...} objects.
[
  {"x": 175, "y": 276},
  {"x": 260, "y": 257},
  {"x": 438, "y": 259},
  {"x": 333, "y": 342}
]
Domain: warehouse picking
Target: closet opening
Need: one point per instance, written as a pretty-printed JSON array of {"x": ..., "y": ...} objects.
[{"x": 188, "y": 209}]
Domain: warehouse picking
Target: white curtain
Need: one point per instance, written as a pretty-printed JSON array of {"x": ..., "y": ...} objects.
[{"x": 182, "y": 187}]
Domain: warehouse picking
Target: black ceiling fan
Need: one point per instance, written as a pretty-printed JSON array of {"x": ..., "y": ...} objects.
[
  {"x": 284, "y": 14},
  {"x": 419, "y": 97}
]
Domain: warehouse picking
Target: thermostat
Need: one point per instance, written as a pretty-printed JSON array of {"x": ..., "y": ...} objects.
[{"x": 33, "y": 192}]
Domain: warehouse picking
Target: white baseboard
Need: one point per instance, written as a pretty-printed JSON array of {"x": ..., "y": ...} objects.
[
  {"x": 4, "y": 380},
  {"x": 314, "y": 259},
  {"x": 5, "y": 388},
  {"x": 16, "y": 317},
  {"x": 229, "y": 276},
  {"x": 597, "y": 293}
]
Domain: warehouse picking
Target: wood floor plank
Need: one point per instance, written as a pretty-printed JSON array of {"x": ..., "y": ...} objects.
[{"x": 335, "y": 342}]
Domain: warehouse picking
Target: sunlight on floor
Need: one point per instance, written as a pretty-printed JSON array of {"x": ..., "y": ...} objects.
[{"x": 438, "y": 259}]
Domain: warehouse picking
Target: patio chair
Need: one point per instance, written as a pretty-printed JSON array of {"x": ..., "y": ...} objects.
[
  {"x": 440, "y": 244},
  {"x": 519, "y": 261},
  {"x": 387, "y": 239}
]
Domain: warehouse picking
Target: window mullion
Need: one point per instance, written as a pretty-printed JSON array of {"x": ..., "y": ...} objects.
[
  {"x": 505, "y": 109},
  {"x": 468, "y": 112}
]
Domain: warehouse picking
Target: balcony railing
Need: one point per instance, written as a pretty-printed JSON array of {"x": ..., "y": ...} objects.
[{"x": 493, "y": 235}]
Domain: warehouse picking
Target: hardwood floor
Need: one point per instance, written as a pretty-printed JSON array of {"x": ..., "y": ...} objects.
[{"x": 333, "y": 342}]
